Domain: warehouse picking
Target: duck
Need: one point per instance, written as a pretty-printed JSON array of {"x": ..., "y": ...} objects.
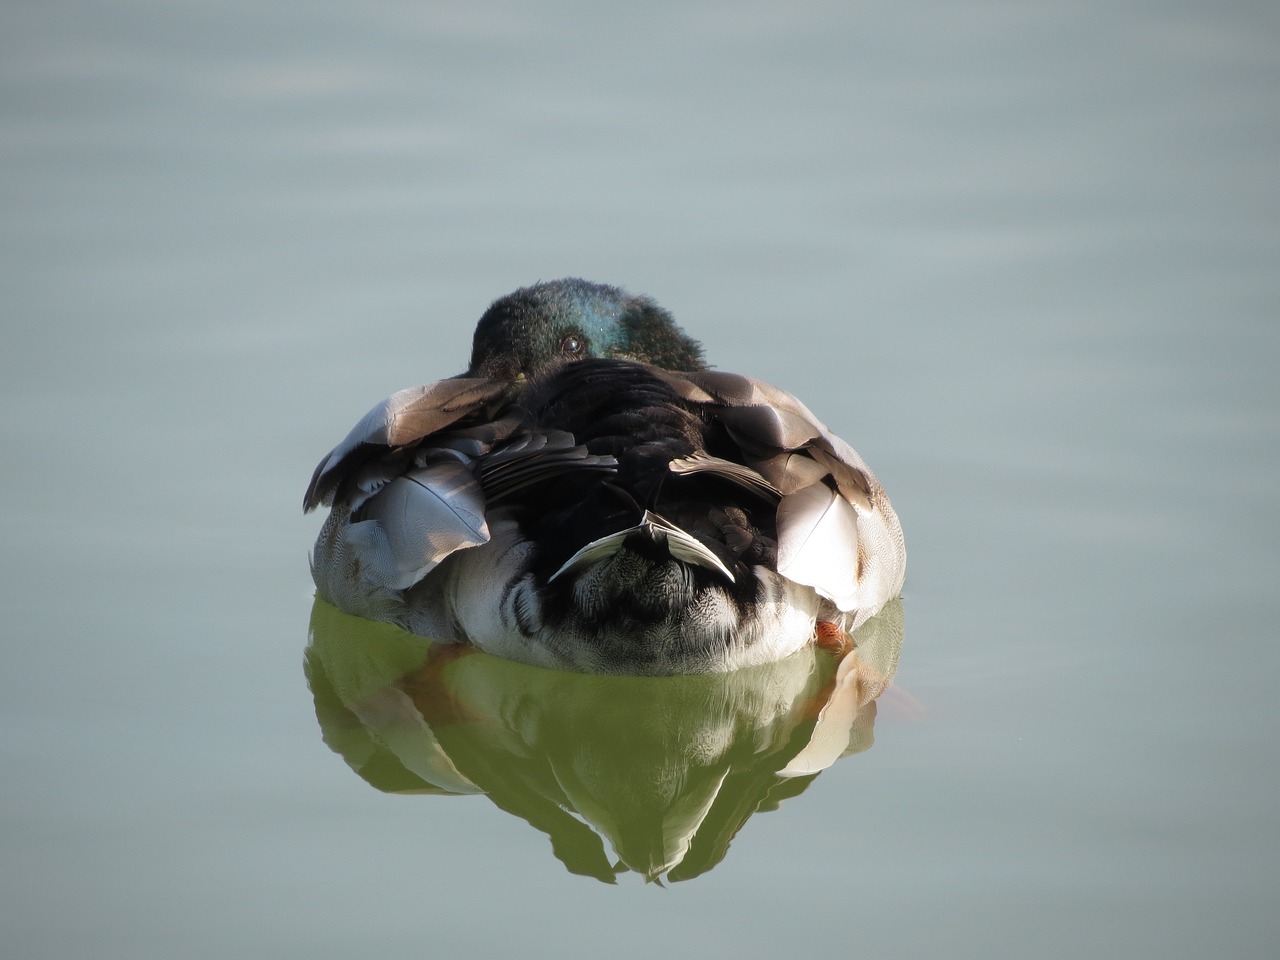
[{"x": 590, "y": 495}]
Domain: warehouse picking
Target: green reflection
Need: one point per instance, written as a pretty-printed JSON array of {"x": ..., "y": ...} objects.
[{"x": 667, "y": 769}]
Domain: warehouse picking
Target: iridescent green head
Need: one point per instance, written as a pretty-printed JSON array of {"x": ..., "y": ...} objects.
[{"x": 563, "y": 320}]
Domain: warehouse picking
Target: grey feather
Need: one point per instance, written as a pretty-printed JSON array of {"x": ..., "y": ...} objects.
[{"x": 422, "y": 517}]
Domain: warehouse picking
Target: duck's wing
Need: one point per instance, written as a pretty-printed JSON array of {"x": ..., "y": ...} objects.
[
  {"x": 837, "y": 531},
  {"x": 413, "y": 481},
  {"x": 402, "y": 419}
]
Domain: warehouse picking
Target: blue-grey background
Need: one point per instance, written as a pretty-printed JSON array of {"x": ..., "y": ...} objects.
[{"x": 1024, "y": 256}]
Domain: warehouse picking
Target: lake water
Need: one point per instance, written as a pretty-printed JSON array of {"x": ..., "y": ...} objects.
[{"x": 1025, "y": 257}]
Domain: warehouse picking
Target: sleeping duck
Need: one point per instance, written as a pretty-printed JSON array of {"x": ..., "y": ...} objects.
[{"x": 590, "y": 496}]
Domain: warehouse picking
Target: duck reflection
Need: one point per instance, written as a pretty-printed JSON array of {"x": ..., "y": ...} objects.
[{"x": 667, "y": 769}]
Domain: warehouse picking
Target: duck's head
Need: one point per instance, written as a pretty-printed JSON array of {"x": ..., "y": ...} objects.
[{"x": 547, "y": 324}]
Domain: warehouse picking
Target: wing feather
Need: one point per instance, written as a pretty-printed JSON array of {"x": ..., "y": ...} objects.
[
  {"x": 818, "y": 543},
  {"x": 421, "y": 518},
  {"x": 737, "y": 473}
]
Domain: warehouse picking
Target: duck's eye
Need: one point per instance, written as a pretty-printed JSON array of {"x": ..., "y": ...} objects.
[{"x": 572, "y": 345}]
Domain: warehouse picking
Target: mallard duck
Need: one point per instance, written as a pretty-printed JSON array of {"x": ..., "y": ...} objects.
[{"x": 588, "y": 495}]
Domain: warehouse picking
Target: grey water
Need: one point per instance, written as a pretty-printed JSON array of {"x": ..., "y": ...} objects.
[{"x": 1024, "y": 257}]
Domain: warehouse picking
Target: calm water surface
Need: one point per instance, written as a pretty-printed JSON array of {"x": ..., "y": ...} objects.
[{"x": 1022, "y": 256}]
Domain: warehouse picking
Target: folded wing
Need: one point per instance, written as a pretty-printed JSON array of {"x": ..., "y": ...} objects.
[
  {"x": 402, "y": 419},
  {"x": 837, "y": 531},
  {"x": 412, "y": 481}
]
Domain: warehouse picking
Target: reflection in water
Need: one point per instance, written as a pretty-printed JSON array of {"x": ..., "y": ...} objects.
[{"x": 667, "y": 769}]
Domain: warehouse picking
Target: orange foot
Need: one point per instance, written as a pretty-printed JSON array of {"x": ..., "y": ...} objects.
[{"x": 831, "y": 638}]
